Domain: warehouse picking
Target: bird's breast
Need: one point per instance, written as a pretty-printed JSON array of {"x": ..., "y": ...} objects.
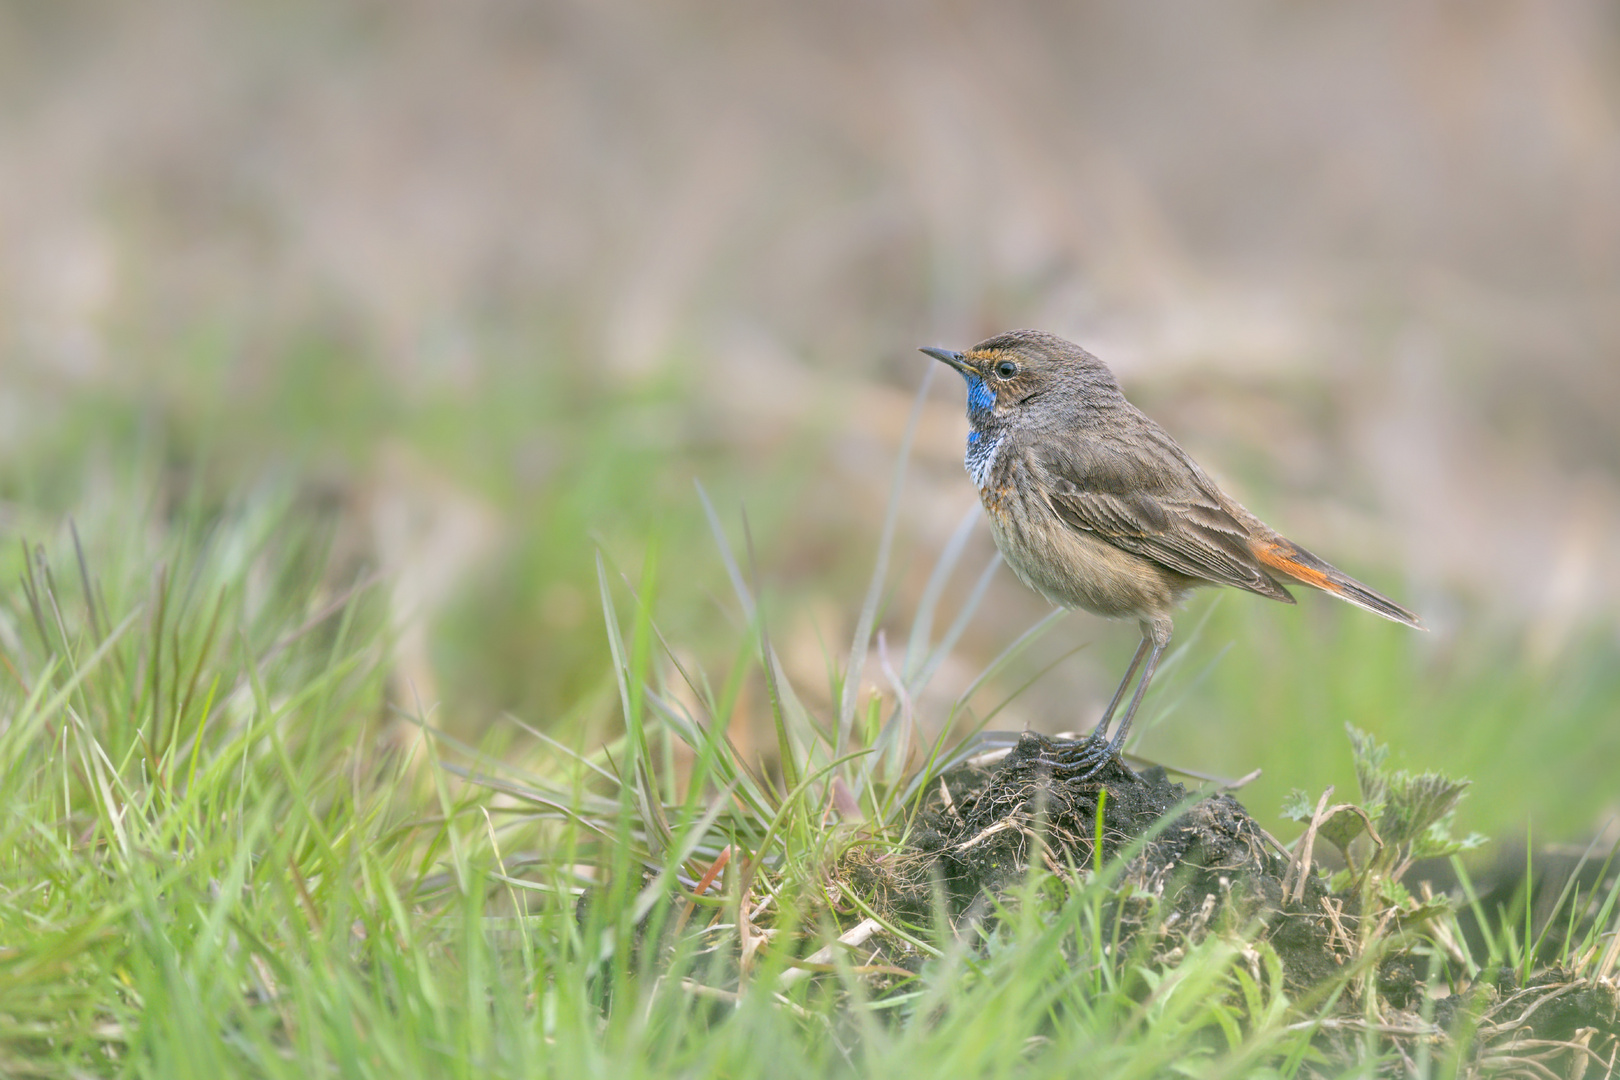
[{"x": 1069, "y": 566}]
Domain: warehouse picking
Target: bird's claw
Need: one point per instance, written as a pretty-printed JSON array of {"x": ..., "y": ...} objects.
[{"x": 1080, "y": 759}]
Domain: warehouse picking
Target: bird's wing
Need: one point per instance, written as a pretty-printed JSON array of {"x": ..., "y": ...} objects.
[{"x": 1146, "y": 496}]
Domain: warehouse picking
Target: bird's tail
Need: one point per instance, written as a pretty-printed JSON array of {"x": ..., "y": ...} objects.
[{"x": 1295, "y": 563}]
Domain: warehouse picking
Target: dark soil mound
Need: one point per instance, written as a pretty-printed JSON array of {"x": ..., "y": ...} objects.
[
  {"x": 1203, "y": 860},
  {"x": 1178, "y": 866},
  {"x": 1193, "y": 864}
]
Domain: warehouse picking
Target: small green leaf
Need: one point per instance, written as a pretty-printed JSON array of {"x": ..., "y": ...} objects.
[
  {"x": 1298, "y": 806},
  {"x": 1342, "y": 828},
  {"x": 1369, "y": 757}
]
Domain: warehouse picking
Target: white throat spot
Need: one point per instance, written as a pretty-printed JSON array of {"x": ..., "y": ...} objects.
[{"x": 981, "y": 457}]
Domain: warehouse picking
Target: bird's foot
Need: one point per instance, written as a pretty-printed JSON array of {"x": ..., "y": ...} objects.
[{"x": 1079, "y": 759}]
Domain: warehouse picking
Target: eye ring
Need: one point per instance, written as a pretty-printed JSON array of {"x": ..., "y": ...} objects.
[{"x": 1006, "y": 369}]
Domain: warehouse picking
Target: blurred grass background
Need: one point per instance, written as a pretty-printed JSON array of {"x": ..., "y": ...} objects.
[{"x": 490, "y": 283}]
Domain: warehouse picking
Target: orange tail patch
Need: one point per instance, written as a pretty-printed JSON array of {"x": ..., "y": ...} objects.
[
  {"x": 1292, "y": 561},
  {"x": 1285, "y": 558}
]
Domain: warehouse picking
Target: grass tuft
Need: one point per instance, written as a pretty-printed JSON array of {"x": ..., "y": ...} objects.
[{"x": 232, "y": 846}]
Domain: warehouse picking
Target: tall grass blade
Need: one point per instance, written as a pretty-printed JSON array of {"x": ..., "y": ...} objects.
[
  {"x": 958, "y": 625},
  {"x": 922, "y": 623},
  {"x": 787, "y": 752},
  {"x": 643, "y": 793},
  {"x": 867, "y": 619}
]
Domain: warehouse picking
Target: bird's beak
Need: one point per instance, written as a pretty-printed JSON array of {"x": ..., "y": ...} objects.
[{"x": 948, "y": 357}]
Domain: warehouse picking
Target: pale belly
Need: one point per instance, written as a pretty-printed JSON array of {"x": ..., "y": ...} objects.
[
  {"x": 1074, "y": 568},
  {"x": 1069, "y": 566}
]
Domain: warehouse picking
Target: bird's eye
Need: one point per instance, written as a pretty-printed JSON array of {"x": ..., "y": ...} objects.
[{"x": 1006, "y": 369}]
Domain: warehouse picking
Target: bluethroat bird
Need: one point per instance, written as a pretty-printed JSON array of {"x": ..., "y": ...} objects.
[{"x": 1094, "y": 506}]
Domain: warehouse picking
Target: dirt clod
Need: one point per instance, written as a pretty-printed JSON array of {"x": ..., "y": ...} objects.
[
  {"x": 1203, "y": 860},
  {"x": 1196, "y": 864}
]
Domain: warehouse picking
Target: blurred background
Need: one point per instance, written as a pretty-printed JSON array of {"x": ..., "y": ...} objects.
[{"x": 489, "y": 283}]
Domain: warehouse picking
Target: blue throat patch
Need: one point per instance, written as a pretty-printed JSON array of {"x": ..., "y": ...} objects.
[
  {"x": 981, "y": 400},
  {"x": 981, "y": 451}
]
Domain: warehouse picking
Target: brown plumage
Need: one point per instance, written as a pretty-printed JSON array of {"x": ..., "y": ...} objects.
[{"x": 1094, "y": 506}]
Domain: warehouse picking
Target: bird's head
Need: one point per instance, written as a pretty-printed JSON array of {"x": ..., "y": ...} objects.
[{"x": 1007, "y": 376}]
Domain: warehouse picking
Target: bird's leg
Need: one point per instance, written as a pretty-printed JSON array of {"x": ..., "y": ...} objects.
[
  {"x": 1100, "y": 732},
  {"x": 1083, "y": 760},
  {"x": 1161, "y": 638}
]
